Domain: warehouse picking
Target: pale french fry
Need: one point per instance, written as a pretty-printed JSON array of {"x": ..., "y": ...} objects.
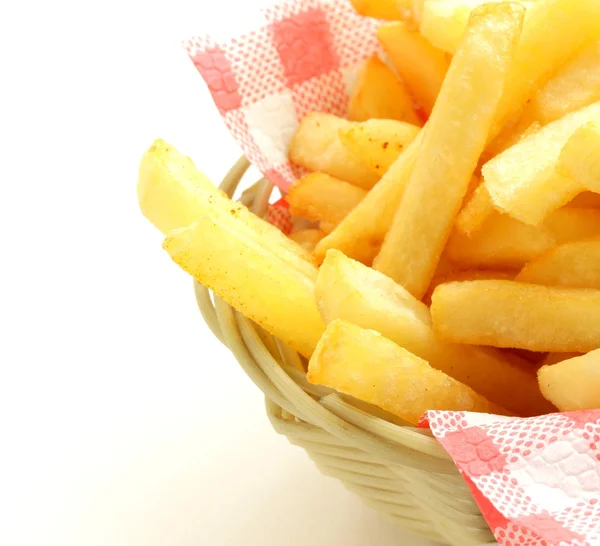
[
  {"x": 570, "y": 224},
  {"x": 377, "y": 143},
  {"x": 571, "y": 25},
  {"x": 317, "y": 147},
  {"x": 575, "y": 85},
  {"x": 361, "y": 233},
  {"x": 234, "y": 264},
  {"x": 573, "y": 384},
  {"x": 580, "y": 158},
  {"x": 307, "y": 238},
  {"x": 350, "y": 291},
  {"x": 573, "y": 264},
  {"x": 523, "y": 181},
  {"x": 517, "y": 315},
  {"x": 379, "y": 94},
  {"x": 467, "y": 102},
  {"x": 364, "y": 364},
  {"x": 322, "y": 198},
  {"x": 501, "y": 242},
  {"x": 170, "y": 187},
  {"x": 420, "y": 65},
  {"x": 173, "y": 193},
  {"x": 467, "y": 275},
  {"x": 443, "y": 22},
  {"x": 380, "y": 9},
  {"x": 585, "y": 200}
]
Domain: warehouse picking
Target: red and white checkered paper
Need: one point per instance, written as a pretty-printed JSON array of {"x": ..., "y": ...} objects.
[
  {"x": 294, "y": 57},
  {"x": 537, "y": 481}
]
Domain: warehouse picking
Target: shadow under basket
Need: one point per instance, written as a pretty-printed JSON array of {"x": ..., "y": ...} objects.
[{"x": 400, "y": 471}]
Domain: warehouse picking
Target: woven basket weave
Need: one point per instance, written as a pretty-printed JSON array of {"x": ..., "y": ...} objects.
[{"x": 400, "y": 471}]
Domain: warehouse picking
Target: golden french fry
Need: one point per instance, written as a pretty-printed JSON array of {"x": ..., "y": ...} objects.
[
  {"x": 571, "y": 224},
  {"x": 377, "y": 143},
  {"x": 317, "y": 147},
  {"x": 231, "y": 260},
  {"x": 366, "y": 365},
  {"x": 381, "y": 9},
  {"x": 420, "y": 65},
  {"x": 467, "y": 275},
  {"x": 580, "y": 158},
  {"x": 350, "y": 291},
  {"x": 522, "y": 180},
  {"x": 585, "y": 200},
  {"x": 173, "y": 194},
  {"x": 573, "y": 384},
  {"x": 443, "y": 22},
  {"x": 379, "y": 94},
  {"x": 575, "y": 85},
  {"x": 517, "y": 315},
  {"x": 555, "y": 358},
  {"x": 307, "y": 238},
  {"x": 501, "y": 242},
  {"x": 467, "y": 102},
  {"x": 571, "y": 25},
  {"x": 573, "y": 264},
  {"x": 322, "y": 198},
  {"x": 476, "y": 210},
  {"x": 361, "y": 233}
]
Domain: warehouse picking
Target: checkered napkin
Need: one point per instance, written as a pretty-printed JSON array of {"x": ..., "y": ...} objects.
[{"x": 537, "y": 481}]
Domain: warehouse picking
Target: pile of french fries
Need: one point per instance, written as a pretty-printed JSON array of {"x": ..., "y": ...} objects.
[{"x": 452, "y": 258}]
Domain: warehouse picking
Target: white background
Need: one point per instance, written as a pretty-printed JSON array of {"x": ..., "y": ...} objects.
[{"x": 122, "y": 421}]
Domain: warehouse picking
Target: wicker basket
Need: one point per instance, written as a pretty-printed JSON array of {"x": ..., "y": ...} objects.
[{"x": 400, "y": 471}]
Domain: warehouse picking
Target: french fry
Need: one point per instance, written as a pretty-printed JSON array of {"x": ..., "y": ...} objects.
[
  {"x": 573, "y": 264},
  {"x": 570, "y": 224},
  {"x": 322, "y": 198},
  {"x": 366, "y": 365},
  {"x": 443, "y": 22},
  {"x": 585, "y": 200},
  {"x": 317, "y": 147},
  {"x": 232, "y": 261},
  {"x": 467, "y": 102},
  {"x": 575, "y": 85},
  {"x": 307, "y": 238},
  {"x": 580, "y": 158},
  {"x": 467, "y": 275},
  {"x": 420, "y": 65},
  {"x": 378, "y": 143},
  {"x": 379, "y": 94},
  {"x": 571, "y": 24},
  {"x": 555, "y": 358},
  {"x": 170, "y": 186},
  {"x": 361, "y": 233},
  {"x": 381, "y": 9},
  {"x": 476, "y": 210},
  {"x": 573, "y": 384},
  {"x": 501, "y": 242},
  {"x": 352, "y": 292},
  {"x": 173, "y": 193},
  {"x": 479, "y": 206},
  {"x": 523, "y": 181},
  {"x": 517, "y": 315}
]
